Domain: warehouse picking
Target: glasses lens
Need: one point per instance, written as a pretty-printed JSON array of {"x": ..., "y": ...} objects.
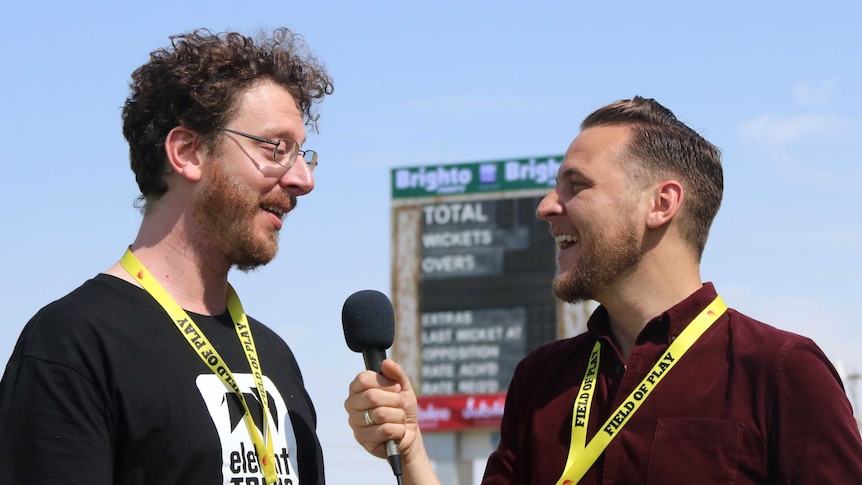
[
  {"x": 285, "y": 153},
  {"x": 310, "y": 157}
]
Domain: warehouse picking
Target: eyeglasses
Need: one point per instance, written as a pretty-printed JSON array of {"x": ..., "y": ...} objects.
[{"x": 285, "y": 151}]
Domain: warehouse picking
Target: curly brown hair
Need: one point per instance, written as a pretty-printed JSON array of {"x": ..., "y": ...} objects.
[
  {"x": 663, "y": 146},
  {"x": 195, "y": 83}
]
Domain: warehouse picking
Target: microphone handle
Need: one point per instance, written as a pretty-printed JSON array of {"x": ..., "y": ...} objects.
[{"x": 373, "y": 361}]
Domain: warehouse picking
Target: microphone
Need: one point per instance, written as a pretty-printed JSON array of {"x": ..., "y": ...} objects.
[{"x": 369, "y": 327}]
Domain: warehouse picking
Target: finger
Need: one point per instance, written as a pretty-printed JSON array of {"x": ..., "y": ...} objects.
[
  {"x": 394, "y": 372},
  {"x": 373, "y": 437},
  {"x": 369, "y": 421},
  {"x": 370, "y": 379},
  {"x": 372, "y": 398},
  {"x": 383, "y": 415}
]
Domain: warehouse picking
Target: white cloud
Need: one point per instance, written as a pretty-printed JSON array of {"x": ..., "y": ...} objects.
[
  {"x": 776, "y": 132},
  {"x": 813, "y": 148},
  {"x": 816, "y": 95}
]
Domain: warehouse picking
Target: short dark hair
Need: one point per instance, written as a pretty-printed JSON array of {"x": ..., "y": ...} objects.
[
  {"x": 661, "y": 146},
  {"x": 195, "y": 83}
]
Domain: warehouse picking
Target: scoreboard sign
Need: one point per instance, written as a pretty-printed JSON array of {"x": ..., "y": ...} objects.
[
  {"x": 473, "y": 267},
  {"x": 471, "y": 351},
  {"x": 466, "y": 351},
  {"x": 472, "y": 178}
]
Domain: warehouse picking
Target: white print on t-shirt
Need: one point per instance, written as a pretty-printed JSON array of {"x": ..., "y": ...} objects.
[{"x": 239, "y": 460}]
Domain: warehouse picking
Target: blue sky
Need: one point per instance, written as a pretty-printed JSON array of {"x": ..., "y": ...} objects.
[{"x": 776, "y": 85}]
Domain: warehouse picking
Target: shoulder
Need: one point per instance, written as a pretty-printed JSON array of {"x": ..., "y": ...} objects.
[
  {"x": 781, "y": 353},
  {"x": 79, "y": 322},
  {"x": 96, "y": 297},
  {"x": 265, "y": 332},
  {"x": 546, "y": 380},
  {"x": 267, "y": 338},
  {"x": 275, "y": 353},
  {"x": 813, "y": 433},
  {"x": 763, "y": 339},
  {"x": 560, "y": 351}
]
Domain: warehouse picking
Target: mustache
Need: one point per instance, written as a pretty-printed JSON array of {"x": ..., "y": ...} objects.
[{"x": 284, "y": 199}]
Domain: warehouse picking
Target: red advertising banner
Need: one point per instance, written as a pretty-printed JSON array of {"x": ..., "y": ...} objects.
[{"x": 460, "y": 412}]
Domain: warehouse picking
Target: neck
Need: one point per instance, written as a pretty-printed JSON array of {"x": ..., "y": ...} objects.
[
  {"x": 636, "y": 300},
  {"x": 185, "y": 270}
]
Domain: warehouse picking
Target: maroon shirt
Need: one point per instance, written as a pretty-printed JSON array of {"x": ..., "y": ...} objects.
[{"x": 747, "y": 403}]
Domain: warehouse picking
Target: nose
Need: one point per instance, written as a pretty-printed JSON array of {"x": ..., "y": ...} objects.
[
  {"x": 298, "y": 180},
  {"x": 549, "y": 206}
]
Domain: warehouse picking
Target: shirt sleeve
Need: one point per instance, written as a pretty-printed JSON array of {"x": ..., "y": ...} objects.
[
  {"x": 54, "y": 426},
  {"x": 499, "y": 469},
  {"x": 815, "y": 437}
]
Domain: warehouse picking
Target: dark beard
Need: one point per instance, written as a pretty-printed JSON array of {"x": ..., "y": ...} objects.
[
  {"x": 227, "y": 210},
  {"x": 601, "y": 263}
]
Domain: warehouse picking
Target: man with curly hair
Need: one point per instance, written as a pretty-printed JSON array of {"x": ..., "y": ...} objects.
[{"x": 151, "y": 372}]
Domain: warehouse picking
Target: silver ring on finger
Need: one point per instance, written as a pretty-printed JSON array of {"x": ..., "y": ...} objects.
[{"x": 368, "y": 420}]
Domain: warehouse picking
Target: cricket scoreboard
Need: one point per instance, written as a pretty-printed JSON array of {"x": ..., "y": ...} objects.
[{"x": 472, "y": 271}]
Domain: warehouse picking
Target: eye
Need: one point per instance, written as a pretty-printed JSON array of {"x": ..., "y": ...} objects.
[
  {"x": 574, "y": 186},
  {"x": 278, "y": 153}
]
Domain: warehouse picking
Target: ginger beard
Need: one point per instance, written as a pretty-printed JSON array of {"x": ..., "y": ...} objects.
[
  {"x": 605, "y": 254},
  {"x": 229, "y": 212}
]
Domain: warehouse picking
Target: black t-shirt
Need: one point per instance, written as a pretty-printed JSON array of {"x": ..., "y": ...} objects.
[{"x": 102, "y": 389}]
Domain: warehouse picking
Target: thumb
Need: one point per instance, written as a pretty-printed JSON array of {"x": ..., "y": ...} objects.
[{"x": 394, "y": 371}]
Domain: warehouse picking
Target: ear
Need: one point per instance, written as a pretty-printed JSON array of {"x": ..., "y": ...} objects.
[
  {"x": 181, "y": 148},
  {"x": 667, "y": 199}
]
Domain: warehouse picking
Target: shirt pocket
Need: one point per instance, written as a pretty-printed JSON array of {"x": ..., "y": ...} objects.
[{"x": 696, "y": 451}]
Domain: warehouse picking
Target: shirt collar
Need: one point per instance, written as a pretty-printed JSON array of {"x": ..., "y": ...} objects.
[{"x": 666, "y": 326}]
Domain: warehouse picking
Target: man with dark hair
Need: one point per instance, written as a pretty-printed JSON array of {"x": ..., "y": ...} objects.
[
  {"x": 151, "y": 372},
  {"x": 667, "y": 385}
]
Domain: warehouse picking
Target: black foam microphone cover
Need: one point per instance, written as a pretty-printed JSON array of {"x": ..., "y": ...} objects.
[{"x": 369, "y": 322}]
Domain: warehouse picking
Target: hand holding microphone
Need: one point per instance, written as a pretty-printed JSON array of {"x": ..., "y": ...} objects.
[{"x": 369, "y": 327}]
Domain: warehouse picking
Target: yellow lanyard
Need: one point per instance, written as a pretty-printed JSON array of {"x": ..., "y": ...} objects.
[
  {"x": 581, "y": 455},
  {"x": 211, "y": 357}
]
